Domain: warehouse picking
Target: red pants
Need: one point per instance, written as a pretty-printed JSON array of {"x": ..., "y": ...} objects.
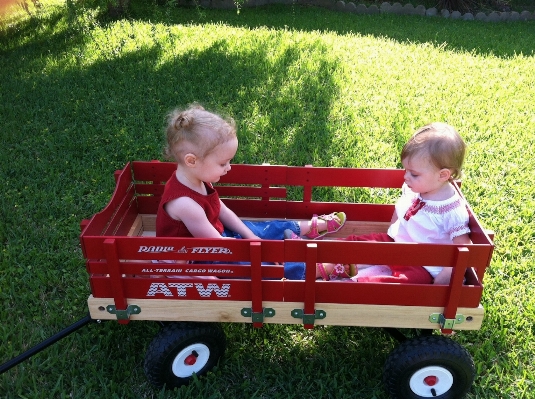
[{"x": 400, "y": 274}]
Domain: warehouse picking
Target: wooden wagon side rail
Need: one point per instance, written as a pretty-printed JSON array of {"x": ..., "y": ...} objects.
[
  {"x": 126, "y": 271},
  {"x": 390, "y": 316}
]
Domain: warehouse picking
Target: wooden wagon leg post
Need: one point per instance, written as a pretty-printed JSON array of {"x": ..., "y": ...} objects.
[
  {"x": 309, "y": 311},
  {"x": 256, "y": 284},
  {"x": 450, "y": 316},
  {"x": 121, "y": 306}
]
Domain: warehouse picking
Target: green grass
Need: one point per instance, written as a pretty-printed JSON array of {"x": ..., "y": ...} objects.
[{"x": 81, "y": 95}]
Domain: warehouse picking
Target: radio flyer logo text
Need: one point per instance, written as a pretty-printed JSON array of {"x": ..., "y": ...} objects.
[{"x": 153, "y": 249}]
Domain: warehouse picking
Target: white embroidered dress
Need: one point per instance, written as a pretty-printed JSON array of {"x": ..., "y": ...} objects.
[{"x": 426, "y": 221}]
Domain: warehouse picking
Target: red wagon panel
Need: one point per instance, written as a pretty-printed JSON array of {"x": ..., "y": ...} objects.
[{"x": 126, "y": 262}]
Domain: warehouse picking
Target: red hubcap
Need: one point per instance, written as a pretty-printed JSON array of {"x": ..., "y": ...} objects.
[
  {"x": 431, "y": 380},
  {"x": 190, "y": 360}
]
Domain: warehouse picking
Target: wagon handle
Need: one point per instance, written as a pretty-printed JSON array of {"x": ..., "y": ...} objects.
[{"x": 45, "y": 344}]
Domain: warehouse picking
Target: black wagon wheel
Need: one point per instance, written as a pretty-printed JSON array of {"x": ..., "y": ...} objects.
[
  {"x": 180, "y": 350},
  {"x": 429, "y": 367}
]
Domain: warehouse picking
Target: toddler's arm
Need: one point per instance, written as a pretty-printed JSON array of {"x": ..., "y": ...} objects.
[
  {"x": 232, "y": 222},
  {"x": 193, "y": 216}
]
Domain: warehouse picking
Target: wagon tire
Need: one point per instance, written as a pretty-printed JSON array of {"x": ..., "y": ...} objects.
[
  {"x": 180, "y": 350},
  {"x": 429, "y": 367}
]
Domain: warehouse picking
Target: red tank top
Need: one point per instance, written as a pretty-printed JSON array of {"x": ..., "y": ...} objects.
[{"x": 166, "y": 226}]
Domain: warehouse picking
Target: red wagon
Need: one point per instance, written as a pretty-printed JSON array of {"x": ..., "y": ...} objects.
[{"x": 135, "y": 275}]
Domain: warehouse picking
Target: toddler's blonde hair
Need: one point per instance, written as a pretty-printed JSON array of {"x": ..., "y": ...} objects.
[
  {"x": 441, "y": 143},
  {"x": 197, "y": 131}
]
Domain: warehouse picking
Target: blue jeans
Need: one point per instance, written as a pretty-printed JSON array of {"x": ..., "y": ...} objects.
[
  {"x": 274, "y": 230},
  {"x": 267, "y": 230}
]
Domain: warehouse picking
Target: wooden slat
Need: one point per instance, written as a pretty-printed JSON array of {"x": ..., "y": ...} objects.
[
  {"x": 129, "y": 216},
  {"x": 392, "y": 253},
  {"x": 153, "y": 171},
  {"x": 381, "y": 293},
  {"x": 351, "y": 227},
  {"x": 270, "y": 175},
  {"x": 149, "y": 222},
  {"x": 133, "y": 248},
  {"x": 337, "y": 313},
  {"x": 344, "y": 177},
  {"x": 100, "y": 220},
  {"x": 248, "y": 191},
  {"x": 137, "y": 227},
  {"x": 150, "y": 189},
  {"x": 148, "y": 268},
  {"x": 148, "y": 204},
  {"x": 121, "y": 209},
  {"x": 354, "y": 211}
]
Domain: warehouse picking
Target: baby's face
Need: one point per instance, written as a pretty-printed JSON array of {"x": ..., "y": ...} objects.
[
  {"x": 217, "y": 163},
  {"x": 422, "y": 176}
]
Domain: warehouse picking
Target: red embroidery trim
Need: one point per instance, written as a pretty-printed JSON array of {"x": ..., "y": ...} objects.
[
  {"x": 417, "y": 204},
  {"x": 442, "y": 209}
]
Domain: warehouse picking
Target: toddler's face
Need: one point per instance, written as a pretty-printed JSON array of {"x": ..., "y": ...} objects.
[
  {"x": 217, "y": 163},
  {"x": 422, "y": 176}
]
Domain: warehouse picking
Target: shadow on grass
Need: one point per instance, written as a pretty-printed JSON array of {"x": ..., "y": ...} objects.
[
  {"x": 324, "y": 362},
  {"x": 111, "y": 102}
]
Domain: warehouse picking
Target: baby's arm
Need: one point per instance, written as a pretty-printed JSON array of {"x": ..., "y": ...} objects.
[
  {"x": 193, "y": 216},
  {"x": 232, "y": 222},
  {"x": 394, "y": 218},
  {"x": 462, "y": 239},
  {"x": 444, "y": 276}
]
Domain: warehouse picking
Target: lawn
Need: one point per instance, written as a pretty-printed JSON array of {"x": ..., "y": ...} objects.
[{"x": 81, "y": 95}]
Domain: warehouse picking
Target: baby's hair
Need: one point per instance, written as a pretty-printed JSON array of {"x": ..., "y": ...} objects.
[
  {"x": 441, "y": 143},
  {"x": 197, "y": 131}
]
